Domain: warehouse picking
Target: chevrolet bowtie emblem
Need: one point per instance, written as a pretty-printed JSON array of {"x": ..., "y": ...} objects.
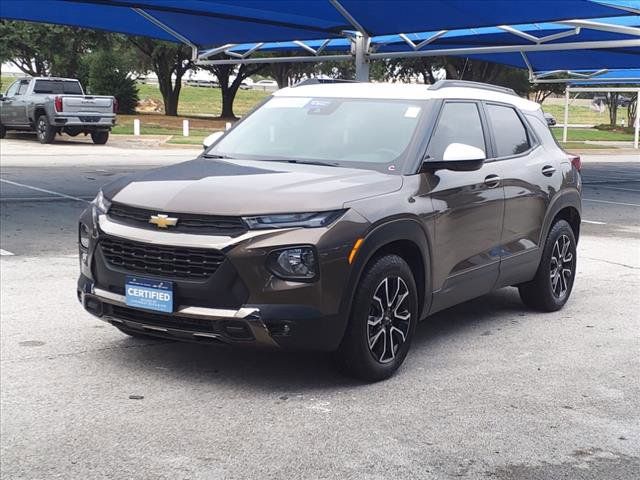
[{"x": 163, "y": 221}]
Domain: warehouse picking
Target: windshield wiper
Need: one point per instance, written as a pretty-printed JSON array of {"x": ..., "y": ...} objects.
[
  {"x": 309, "y": 162},
  {"x": 215, "y": 155}
]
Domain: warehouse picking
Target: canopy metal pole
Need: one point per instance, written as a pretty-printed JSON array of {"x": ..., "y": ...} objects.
[
  {"x": 361, "y": 47},
  {"x": 566, "y": 114},
  {"x": 637, "y": 122}
]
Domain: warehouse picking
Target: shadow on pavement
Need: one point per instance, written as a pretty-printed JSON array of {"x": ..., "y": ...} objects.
[{"x": 298, "y": 371}]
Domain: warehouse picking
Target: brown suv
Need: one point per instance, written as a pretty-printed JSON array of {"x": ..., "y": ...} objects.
[{"x": 336, "y": 217}]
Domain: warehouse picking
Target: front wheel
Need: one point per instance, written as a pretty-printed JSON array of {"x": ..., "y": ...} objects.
[
  {"x": 551, "y": 287},
  {"x": 99, "y": 138},
  {"x": 382, "y": 322},
  {"x": 45, "y": 132}
]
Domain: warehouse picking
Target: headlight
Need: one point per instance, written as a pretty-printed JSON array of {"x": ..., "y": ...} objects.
[
  {"x": 84, "y": 236},
  {"x": 289, "y": 220},
  {"x": 101, "y": 203},
  {"x": 298, "y": 263}
]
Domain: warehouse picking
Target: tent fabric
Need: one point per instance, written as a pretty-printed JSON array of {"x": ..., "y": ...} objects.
[
  {"x": 619, "y": 58},
  {"x": 210, "y": 23}
]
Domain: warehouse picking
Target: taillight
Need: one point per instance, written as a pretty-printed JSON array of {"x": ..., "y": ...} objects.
[
  {"x": 58, "y": 104},
  {"x": 115, "y": 105},
  {"x": 575, "y": 161}
]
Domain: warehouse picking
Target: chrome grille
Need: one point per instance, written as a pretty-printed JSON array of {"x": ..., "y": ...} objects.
[{"x": 187, "y": 222}]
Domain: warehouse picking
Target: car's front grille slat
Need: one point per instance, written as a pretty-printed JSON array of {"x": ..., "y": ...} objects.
[
  {"x": 174, "y": 262},
  {"x": 187, "y": 222}
]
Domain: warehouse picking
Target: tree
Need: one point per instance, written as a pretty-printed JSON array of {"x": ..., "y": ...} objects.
[
  {"x": 40, "y": 49},
  {"x": 611, "y": 101},
  {"x": 230, "y": 77},
  {"x": 108, "y": 75},
  {"x": 542, "y": 91},
  {"x": 169, "y": 61},
  {"x": 632, "y": 111}
]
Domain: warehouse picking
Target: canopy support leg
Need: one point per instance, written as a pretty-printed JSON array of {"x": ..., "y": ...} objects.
[
  {"x": 636, "y": 123},
  {"x": 566, "y": 114},
  {"x": 360, "y": 45}
]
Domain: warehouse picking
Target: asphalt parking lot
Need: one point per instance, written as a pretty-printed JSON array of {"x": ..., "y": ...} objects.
[{"x": 489, "y": 390}]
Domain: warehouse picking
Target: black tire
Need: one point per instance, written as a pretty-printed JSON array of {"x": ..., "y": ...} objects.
[
  {"x": 3, "y": 131},
  {"x": 99, "y": 138},
  {"x": 45, "y": 132},
  {"x": 355, "y": 356},
  {"x": 551, "y": 287}
]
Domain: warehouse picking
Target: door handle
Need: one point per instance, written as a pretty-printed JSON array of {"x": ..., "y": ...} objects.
[
  {"x": 492, "y": 181},
  {"x": 548, "y": 170}
]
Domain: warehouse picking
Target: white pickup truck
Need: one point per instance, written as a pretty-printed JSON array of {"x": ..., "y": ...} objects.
[{"x": 49, "y": 105}]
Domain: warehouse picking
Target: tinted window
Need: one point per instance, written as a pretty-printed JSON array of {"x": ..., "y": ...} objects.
[
  {"x": 459, "y": 123},
  {"x": 57, "y": 86},
  {"x": 509, "y": 132}
]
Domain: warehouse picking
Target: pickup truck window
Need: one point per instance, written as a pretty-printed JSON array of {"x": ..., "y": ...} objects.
[
  {"x": 11, "y": 91},
  {"x": 22, "y": 89},
  {"x": 57, "y": 86}
]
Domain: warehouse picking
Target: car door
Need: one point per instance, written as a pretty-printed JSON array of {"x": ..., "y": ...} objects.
[
  {"x": 19, "y": 106},
  {"x": 7, "y": 112},
  {"x": 530, "y": 176},
  {"x": 468, "y": 208}
]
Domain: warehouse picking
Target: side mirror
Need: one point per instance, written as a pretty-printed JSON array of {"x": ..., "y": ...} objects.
[
  {"x": 458, "y": 157},
  {"x": 211, "y": 139}
]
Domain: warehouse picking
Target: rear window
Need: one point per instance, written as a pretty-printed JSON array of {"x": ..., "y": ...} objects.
[
  {"x": 57, "y": 86},
  {"x": 510, "y": 134}
]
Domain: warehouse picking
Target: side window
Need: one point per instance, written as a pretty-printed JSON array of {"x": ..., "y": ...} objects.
[
  {"x": 509, "y": 132},
  {"x": 22, "y": 89},
  {"x": 459, "y": 123},
  {"x": 11, "y": 91}
]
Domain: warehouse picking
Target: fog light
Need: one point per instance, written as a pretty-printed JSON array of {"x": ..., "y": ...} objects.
[
  {"x": 294, "y": 263},
  {"x": 84, "y": 235}
]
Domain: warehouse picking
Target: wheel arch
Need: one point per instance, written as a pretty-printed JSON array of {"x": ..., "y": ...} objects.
[
  {"x": 405, "y": 237},
  {"x": 566, "y": 206}
]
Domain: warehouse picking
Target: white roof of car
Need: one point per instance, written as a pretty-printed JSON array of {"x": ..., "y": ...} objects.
[{"x": 405, "y": 92}]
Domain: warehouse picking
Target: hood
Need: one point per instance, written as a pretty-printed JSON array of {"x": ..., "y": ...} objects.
[{"x": 245, "y": 187}]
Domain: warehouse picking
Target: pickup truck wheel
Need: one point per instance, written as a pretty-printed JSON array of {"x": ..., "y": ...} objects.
[
  {"x": 551, "y": 287},
  {"x": 99, "y": 138},
  {"x": 45, "y": 132},
  {"x": 383, "y": 319}
]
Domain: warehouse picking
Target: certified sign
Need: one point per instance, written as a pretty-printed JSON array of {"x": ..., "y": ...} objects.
[{"x": 149, "y": 294}]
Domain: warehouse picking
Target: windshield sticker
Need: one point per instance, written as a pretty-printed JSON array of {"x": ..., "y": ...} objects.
[
  {"x": 412, "y": 112},
  {"x": 287, "y": 102}
]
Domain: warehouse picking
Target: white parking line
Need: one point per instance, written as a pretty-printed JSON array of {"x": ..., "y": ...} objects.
[
  {"x": 614, "y": 203},
  {"x": 635, "y": 190},
  {"x": 593, "y": 222},
  {"x": 37, "y": 189},
  {"x": 5, "y": 253}
]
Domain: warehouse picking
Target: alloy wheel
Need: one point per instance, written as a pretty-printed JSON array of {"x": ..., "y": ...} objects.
[
  {"x": 42, "y": 128},
  {"x": 561, "y": 268},
  {"x": 389, "y": 319}
]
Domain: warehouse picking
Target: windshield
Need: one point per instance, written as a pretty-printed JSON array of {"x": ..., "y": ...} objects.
[
  {"x": 57, "y": 86},
  {"x": 359, "y": 133}
]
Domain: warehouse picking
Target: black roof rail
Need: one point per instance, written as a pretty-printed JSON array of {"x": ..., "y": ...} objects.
[
  {"x": 465, "y": 83},
  {"x": 320, "y": 81}
]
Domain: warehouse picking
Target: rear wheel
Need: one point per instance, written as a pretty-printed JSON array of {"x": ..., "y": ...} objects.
[
  {"x": 551, "y": 287},
  {"x": 99, "y": 138},
  {"x": 45, "y": 132},
  {"x": 383, "y": 319}
]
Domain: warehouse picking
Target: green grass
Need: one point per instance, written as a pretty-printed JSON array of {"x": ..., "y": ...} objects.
[
  {"x": 582, "y": 115},
  {"x": 145, "y": 129},
  {"x": 204, "y": 100},
  {"x": 583, "y": 146},
  {"x": 591, "y": 134},
  {"x": 176, "y": 140}
]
